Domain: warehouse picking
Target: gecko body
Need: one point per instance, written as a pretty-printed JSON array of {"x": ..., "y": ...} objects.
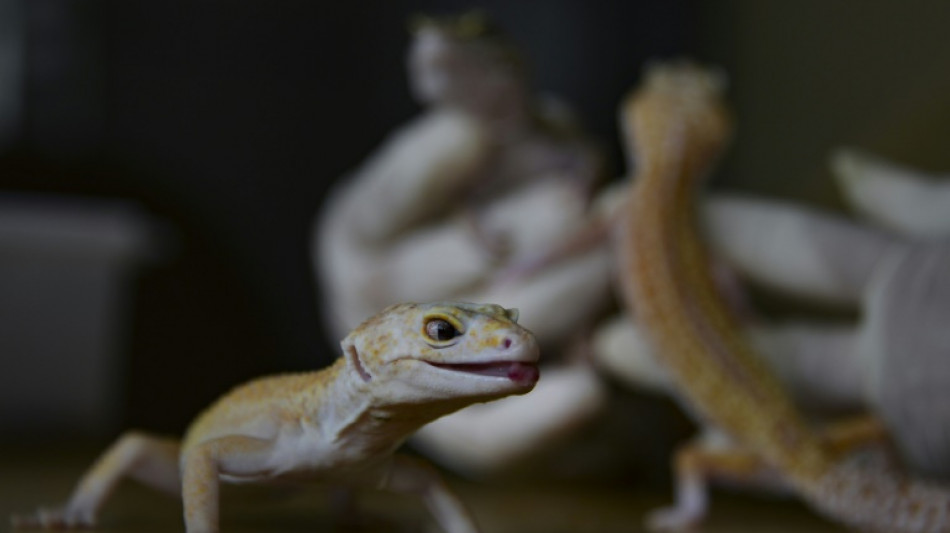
[
  {"x": 676, "y": 126},
  {"x": 401, "y": 369}
]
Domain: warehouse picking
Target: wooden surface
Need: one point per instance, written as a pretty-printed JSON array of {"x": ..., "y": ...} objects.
[{"x": 30, "y": 476}]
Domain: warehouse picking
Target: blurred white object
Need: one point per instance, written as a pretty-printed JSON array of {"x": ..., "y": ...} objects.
[
  {"x": 65, "y": 268},
  {"x": 898, "y": 198}
]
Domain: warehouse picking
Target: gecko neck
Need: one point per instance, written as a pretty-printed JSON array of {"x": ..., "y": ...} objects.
[{"x": 353, "y": 410}]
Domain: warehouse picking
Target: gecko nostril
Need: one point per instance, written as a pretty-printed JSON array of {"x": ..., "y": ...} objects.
[{"x": 506, "y": 343}]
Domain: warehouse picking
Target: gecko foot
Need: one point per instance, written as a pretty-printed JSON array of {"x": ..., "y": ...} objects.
[
  {"x": 676, "y": 518},
  {"x": 54, "y": 519}
]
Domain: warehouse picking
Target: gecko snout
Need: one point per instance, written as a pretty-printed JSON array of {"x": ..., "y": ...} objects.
[
  {"x": 516, "y": 347},
  {"x": 512, "y": 343}
]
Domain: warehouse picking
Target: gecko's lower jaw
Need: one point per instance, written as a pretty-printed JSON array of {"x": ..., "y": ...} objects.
[{"x": 520, "y": 372}]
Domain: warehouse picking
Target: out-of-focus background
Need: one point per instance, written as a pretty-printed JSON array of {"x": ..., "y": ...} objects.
[
  {"x": 204, "y": 136},
  {"x": 161, "y": 163}
]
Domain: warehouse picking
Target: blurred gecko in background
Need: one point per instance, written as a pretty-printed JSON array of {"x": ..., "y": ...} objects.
[
  {"x": 676, "y": 126},
  {"x": 400, "y": 369}
]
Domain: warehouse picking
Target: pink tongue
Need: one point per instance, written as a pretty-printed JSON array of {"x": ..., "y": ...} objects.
[{"x": 523, "y": 374}]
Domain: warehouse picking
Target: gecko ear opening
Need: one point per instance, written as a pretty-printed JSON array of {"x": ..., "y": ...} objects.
[{"x": 357, "y": 363}]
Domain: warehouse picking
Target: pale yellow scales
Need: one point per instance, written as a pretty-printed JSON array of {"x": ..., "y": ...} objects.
[{"x": 405, "y": 367}]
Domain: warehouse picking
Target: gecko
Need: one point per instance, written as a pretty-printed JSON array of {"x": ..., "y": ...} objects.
[
  {"x": 676, "y": 126},
  {"x": 399, "y": 370}
]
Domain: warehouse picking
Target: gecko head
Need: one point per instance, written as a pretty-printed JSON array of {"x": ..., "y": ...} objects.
[
  {"x": 683, "y": 93},
  {"x": 462, "y": 60},
  {"x": 447, "y": 353}
]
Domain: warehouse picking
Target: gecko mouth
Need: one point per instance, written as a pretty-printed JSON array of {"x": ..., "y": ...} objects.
[{"x": 520, "y": 372}]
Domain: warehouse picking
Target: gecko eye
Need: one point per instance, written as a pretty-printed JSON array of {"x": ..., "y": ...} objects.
[{"x": 441, "y": 330}]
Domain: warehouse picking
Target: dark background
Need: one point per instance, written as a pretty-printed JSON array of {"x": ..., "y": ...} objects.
[{"x": 228, "y": 121}]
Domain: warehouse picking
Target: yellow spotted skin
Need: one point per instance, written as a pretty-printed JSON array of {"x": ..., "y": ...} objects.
[
  {"x": 676, "y": 125},
  {"x": 341, "y": 424},
  {"x": 279, "y": 397}
]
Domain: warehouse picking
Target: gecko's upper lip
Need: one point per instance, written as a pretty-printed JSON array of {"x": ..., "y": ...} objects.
[{"x": 521, "y": 372}]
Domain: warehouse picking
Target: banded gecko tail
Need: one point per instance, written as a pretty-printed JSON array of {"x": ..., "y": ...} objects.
[
  {"x": 868, "y": 492},
  {"x": 677, "y": 125}
]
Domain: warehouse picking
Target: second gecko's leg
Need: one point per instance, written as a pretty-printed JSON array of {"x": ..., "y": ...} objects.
[
  {"x": 695, "y": 464},
  {"x": 846, "y": 436},
  {"x": 148, "y": 459},
  {"x": 699, "y": 462},
  {"x": 201, "y": 466},
  {"x": 413, "y": 476}
]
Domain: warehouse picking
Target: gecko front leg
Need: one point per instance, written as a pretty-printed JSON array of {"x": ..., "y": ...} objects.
[
  {"x": 148, "y": 459},
  {"x": 201, "y": 467},
  {"x": 413, "y": 476}
]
